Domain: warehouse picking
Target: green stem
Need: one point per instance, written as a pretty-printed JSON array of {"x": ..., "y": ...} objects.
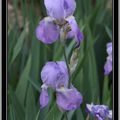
[
  {"x": 37, "y": 115},
  {"x": 66, "y": 116},
  {"x": 67, "y": 63},
  {"x": 88, "y": 117}
]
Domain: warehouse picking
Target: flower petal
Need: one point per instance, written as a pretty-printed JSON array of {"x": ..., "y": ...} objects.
[
  {"x": 55, "y": 8},
  {"x": 44, "y": 98},
  {"x": 99, "y": 111},
  {"x": 60, "y": 9},
  {"x": 99, "y": 118},
  {"x": 108, "y": 64},
  {"x": 69, "y": 7},
  {"x": 110, "y": 114},
  {"x": 47, "y": 31},
  {"x": 89, "y": 107},
  {"x": 109, "y": 48},
  {"x": 75, "y": 30},
  {"x": 68, "y": 99},
  {"x": 55, "y": 74},
  {"x": 108, "y": 67}
]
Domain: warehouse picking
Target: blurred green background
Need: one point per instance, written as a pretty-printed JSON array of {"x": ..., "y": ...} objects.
[{"x": 27, "y": 55}]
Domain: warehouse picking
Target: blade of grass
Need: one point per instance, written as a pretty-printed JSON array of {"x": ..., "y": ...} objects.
[
  {"x": 19, "y": 45},
  {"x": 54, "y": 113},
  {"x": 23, "y": 81}
]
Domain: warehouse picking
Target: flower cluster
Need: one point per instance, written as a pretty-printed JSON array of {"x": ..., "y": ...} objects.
[
  {"x": 59, "y": 22},
  {"x": 108, "y": 64},
  {"x": 55, "y": 75},
  {"x": 100, "y": 111}
]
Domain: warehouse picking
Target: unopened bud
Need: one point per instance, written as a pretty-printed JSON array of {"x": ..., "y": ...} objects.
[{"x": 74, "y": 60}]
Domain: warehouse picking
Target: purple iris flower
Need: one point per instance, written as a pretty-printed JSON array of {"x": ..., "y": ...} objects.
[
  {"x": 100, "y": 111},
  {"x": 108, "y": 64},
  {"x": 60, "y": 14},
  {"x": 55, "y": 75}
]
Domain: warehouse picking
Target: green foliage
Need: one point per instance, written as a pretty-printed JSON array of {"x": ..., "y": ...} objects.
[
  {"x": 54, "y": 114},
  {"x": 27, "y": 55}
]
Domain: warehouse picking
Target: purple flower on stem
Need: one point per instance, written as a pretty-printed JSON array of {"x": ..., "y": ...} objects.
[
  {"x": 100, "y": 111},
  {"x": 60, "y": 12},
  {"x": 55, "y": 75},
  {"x": 108, "y": 64}
]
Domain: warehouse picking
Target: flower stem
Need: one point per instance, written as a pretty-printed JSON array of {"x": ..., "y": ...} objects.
[
  {"x": 67, "y": 63},
  {"x": 66, "y": 116},
  {"x": 95, "y": 118},
  {"x": 37, "y": 115},
  {"x": 87, "y": 118}
]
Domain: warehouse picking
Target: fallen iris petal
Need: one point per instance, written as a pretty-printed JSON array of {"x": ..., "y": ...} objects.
[
  {"x": 55, "y": 74},
  {"x": 44, "y": 98},
  {"x": 47, "y": 31},
  {"x": 68, "y": 99},
  {"x": 75, "y": 31}
]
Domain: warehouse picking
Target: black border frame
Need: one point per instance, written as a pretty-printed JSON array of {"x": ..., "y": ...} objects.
[
  {"x": 4, "y": 60},
  {"x": 116, "y": 46}
]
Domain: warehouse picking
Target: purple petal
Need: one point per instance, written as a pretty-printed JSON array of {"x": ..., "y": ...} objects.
[
  {"x": 99, "y": 118},
  {"x": 55, "y": 74},
  {"x": 47, "y": 31},
  {"x": 70, "y": 34},
  {"x": 68, "y": 99},
  {"x": 100, "y": 111},
  {"x": 55, "y": 8},
  {"x": 108, "y": 64},
  {"x": 44, "y": 98},
  {"x": 60, "y": 9},
  {"x": 109, "y": 48},
  {"x": 75, "y": 30},
  {"x": 108, "y": 67},
  {"x": 110, "y": 114},
  {"x": 69, "y": 7},
  {"x": 89, "y": 107}
]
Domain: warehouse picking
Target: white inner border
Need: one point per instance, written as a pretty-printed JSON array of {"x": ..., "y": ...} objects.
[
  {"x": 0, "y": 59},
  {"x": 118, "y": 59}
]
